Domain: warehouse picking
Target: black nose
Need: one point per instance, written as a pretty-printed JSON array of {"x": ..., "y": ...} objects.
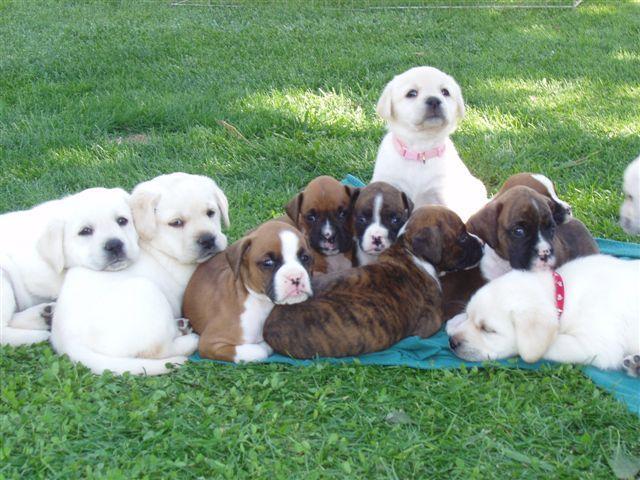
[
  {"x": 377, "y": 241},
  {"x": 433, "y": 102},
  {"x": 453, "y": 343},
  {"x": 114, "y": 246},
  {"x": 207, "y": 241},
  {"x": 330, "y": 237}
]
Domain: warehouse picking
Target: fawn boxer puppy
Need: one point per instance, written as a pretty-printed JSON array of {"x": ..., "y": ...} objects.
[
  {"x": 230, "y": 295},
  {"x": 369, "y": 308},
  {"x": 379, "y": 213},
  {"x": 323, "y": 213}
]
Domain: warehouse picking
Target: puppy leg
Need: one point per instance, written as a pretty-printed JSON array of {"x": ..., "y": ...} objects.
[
  {"x": 37, "y": 317},
  {"x": 10, "y": 335},
  {"x": 184, "y": 345},
  {"x": 267, "y": 347},
  {"x": 251, "y": 352},
  {"x": 631, "y": 365}
]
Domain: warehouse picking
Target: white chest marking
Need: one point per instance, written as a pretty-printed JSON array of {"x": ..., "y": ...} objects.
[
  {"x": 492, "y": 265},
  {"x": 427, "y": 267},
  {"x": 256, "y": 310}
]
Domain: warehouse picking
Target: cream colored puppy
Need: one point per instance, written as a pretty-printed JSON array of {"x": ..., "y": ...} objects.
[
  {"x": 630, "y": 209},
  {"x": 422, "y": 107},
  {"x": 130, "y": 321},
  {"x": 517, "y": 314},
  {"x": 91, "y": 229}
]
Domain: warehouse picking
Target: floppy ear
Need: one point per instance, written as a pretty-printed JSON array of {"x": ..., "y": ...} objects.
[
  {"x": 408, "y": 203},
  {"x": 534, "y": 333},
  {"x": 50, "y": 245},
  {"x": 353, "y": 192},
  {"x": 385, "y": 104},
  {"x": 143, "y": 207},
  {"x": 293, "y": 207},
  {"x": 427, "y": 243},
  {"x": 484, "y": 223},
  {"x": 559, "y": 212},
  {"x": 223, "y": 204},
  {"x": 235, "y": 253}
]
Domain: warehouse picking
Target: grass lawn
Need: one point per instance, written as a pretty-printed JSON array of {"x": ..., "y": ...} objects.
[{"x": 263, "y": 99}]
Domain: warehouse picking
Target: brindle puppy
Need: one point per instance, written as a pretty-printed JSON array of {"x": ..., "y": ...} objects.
[{"x": 369, "y": 308}]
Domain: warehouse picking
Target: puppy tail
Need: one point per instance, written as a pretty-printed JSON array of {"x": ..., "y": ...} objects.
[
  {"x": 99, "y": 363},
  {"x": 20, "y": 336}
]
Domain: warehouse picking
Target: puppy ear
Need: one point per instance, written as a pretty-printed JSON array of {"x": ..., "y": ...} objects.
[
  {"x": 353, "y": 192},
  {"x": 223, "y": 204},
  {"x": 534, "y": 333},
  {"x": 385, "y": 103},
  {"x": 50, "y": 246},
  {"x": 427, "y": 243},
  {"x": 293, "y": 207},
  {"x": 235, "y": 253},
  {"x": 408, "y": 204},
  {"x": 143, "y": 207},
  {"x": 560, "y": 212},
  {"x": 484, "y": 223}
]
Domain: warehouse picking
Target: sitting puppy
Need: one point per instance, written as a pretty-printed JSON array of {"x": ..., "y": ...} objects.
[
  {"x": 523, "y": 231},
  {"x": 369, "y": 308},
  {"x": 379, "y": 213},
  {"x": 323, "y": 213},
  {"x": 230, "y": 296},
  {"x": 630, "y": 209},
  {"x": 590, "y": 314},
  {"x": 91, "y": 229},
  {"x": 127, "y": 321},
  {"x": 422, "y": 107}
]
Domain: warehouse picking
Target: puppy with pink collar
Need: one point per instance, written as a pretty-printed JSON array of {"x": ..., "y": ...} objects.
[{"x": 422, "y": 108}]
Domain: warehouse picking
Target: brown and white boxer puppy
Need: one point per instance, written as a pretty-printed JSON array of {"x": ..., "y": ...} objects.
[
  {"x": 379, "y": 213},
  {"x": 323, "y": 213},
  {"x": 230, "y": 295},
  {"x": 369, "y": 308}
]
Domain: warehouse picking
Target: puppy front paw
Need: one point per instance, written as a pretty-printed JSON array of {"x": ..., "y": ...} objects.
[
  {"x": 47, "y": 314},
  {"x": 250, "y": 352},
  {"x": 631, "y": 365},
  {"x": 184, "y": 326}
]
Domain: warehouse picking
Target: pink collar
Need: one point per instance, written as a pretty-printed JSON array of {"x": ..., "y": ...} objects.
[
  {"x": 402, "y": 149},
  {"x": 559, "y": 284}
]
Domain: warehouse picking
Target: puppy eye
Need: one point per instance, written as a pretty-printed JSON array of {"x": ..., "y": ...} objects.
[
  {"x": 177, "y": 223},
  {"x": 445, "y": 92},
  {"x": 463, "y": 238},
  {"x": 86, "y": 231},
  {"x": 268, "y": 263},
  {"x": 518, "y": 232},
  {"x": 486, "y": 329},
  {"x": 312, "y": 217},
  {"x": 361, "y": 219},
  {"x": 629, "y": 197},
  {"x": 412, "y": 93},
  {"x": 395, "y": 219},
  {"x": 304, "y": 258},
  {"x": 122, "y": 221},
  {"x": 211, "y": 213},
  {"x": 342, "y": 214}
]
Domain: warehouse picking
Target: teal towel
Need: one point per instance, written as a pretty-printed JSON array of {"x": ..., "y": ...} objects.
[{"x": 434, "y": 352}]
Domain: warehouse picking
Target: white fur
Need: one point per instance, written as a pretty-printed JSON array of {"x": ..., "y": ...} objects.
[
  {"x": 256, "y": 310},
  {"x": 443, "y": 180},
  {"x": 543, "y": 248},
  {"x": 493, "y": 265},
  {"x": 600, "y": 324},
  {"x": 291, "y": 270},
  {"x": 367, "y": 253},
  {"x": 548, "y": 184},
  {"x": 37, "y": 247},
  {"x": 630, "y": 209},
  {"x": 126, "y": 321},
  {"x": 427, "y": 267}
]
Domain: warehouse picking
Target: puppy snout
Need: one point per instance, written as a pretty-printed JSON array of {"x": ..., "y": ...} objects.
[
  {"x": 433, "y": 102},
  {"x": 329, "y": 236},
  {"x": 545, "y": 253},
  {"x": 454, "y": 342},
  {"x": 376, "y": 240},
  {"x": 114, "y": 246},
  {"x": 207, "y": 241}
]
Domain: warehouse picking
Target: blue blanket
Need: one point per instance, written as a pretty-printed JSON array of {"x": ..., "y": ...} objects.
[{"x": 434, "y": 352}]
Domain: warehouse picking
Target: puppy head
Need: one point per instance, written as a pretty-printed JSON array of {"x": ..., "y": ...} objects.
[
  {"x": 180, "y": 215},
  {"x": 630, "y": 209},
  {"x": 508, "y": 316},
  {"x": 323, "y": 213},
  {"x": 436, "y": 235},
  {"x": 273, "y": 260},
  {"x": 94, "y": 230},
  {"x": 379, "y": 213},
  {"x": 422, "y": 100},
  {"x": 544, "y": 186},
  {"x": 518, "y": 224}
]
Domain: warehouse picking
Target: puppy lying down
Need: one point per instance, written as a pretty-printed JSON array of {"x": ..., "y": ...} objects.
[
  {"x": 369, "y": 308},
  {"x": 592, "y": 316}
]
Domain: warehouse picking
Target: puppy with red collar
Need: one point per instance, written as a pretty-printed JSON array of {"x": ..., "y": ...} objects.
[
  {"x": 229, "y": 296},
  {"x": 379, "y": 213},
  {"x": 323, "y": 213},
  {"x": 369, "y": 308}
]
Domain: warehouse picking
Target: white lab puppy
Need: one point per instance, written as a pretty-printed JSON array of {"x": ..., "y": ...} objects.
[
  {"x": 516, "y": 314},
  {"x": 91, "y": 229},
  {"x": 422, "y": 107},
  {"x": 130, "y": 321},
  {"x": 630, "y": 209}
]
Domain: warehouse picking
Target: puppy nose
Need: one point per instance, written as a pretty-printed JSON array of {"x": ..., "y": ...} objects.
[
  {"x": 544, "y": 253},
  {"x": 207, "y": 241},
  {"x": 453, "y": 343},
  {"x": 114, "y": 246},
  {"x": 377, "y": 241},
  {"x": 295, "y": 280},
  {"x": 329, "y": 236},
  {"x": 433, "y": 102}
]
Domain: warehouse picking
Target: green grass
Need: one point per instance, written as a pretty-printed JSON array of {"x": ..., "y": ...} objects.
[{"x": 264, "y": 98}]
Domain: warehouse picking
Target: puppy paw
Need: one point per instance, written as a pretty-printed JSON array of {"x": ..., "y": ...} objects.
[
  {"x": 47, "y": 314},
  {"x": 184, "y": 327},
  {"x": 631, "y": 365},
  {"x": 250, "y": 352}
]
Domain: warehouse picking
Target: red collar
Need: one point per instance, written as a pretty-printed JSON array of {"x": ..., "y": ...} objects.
[
  {"x": 559, "y": 284},
  {"x": 404, "y": 151}
]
